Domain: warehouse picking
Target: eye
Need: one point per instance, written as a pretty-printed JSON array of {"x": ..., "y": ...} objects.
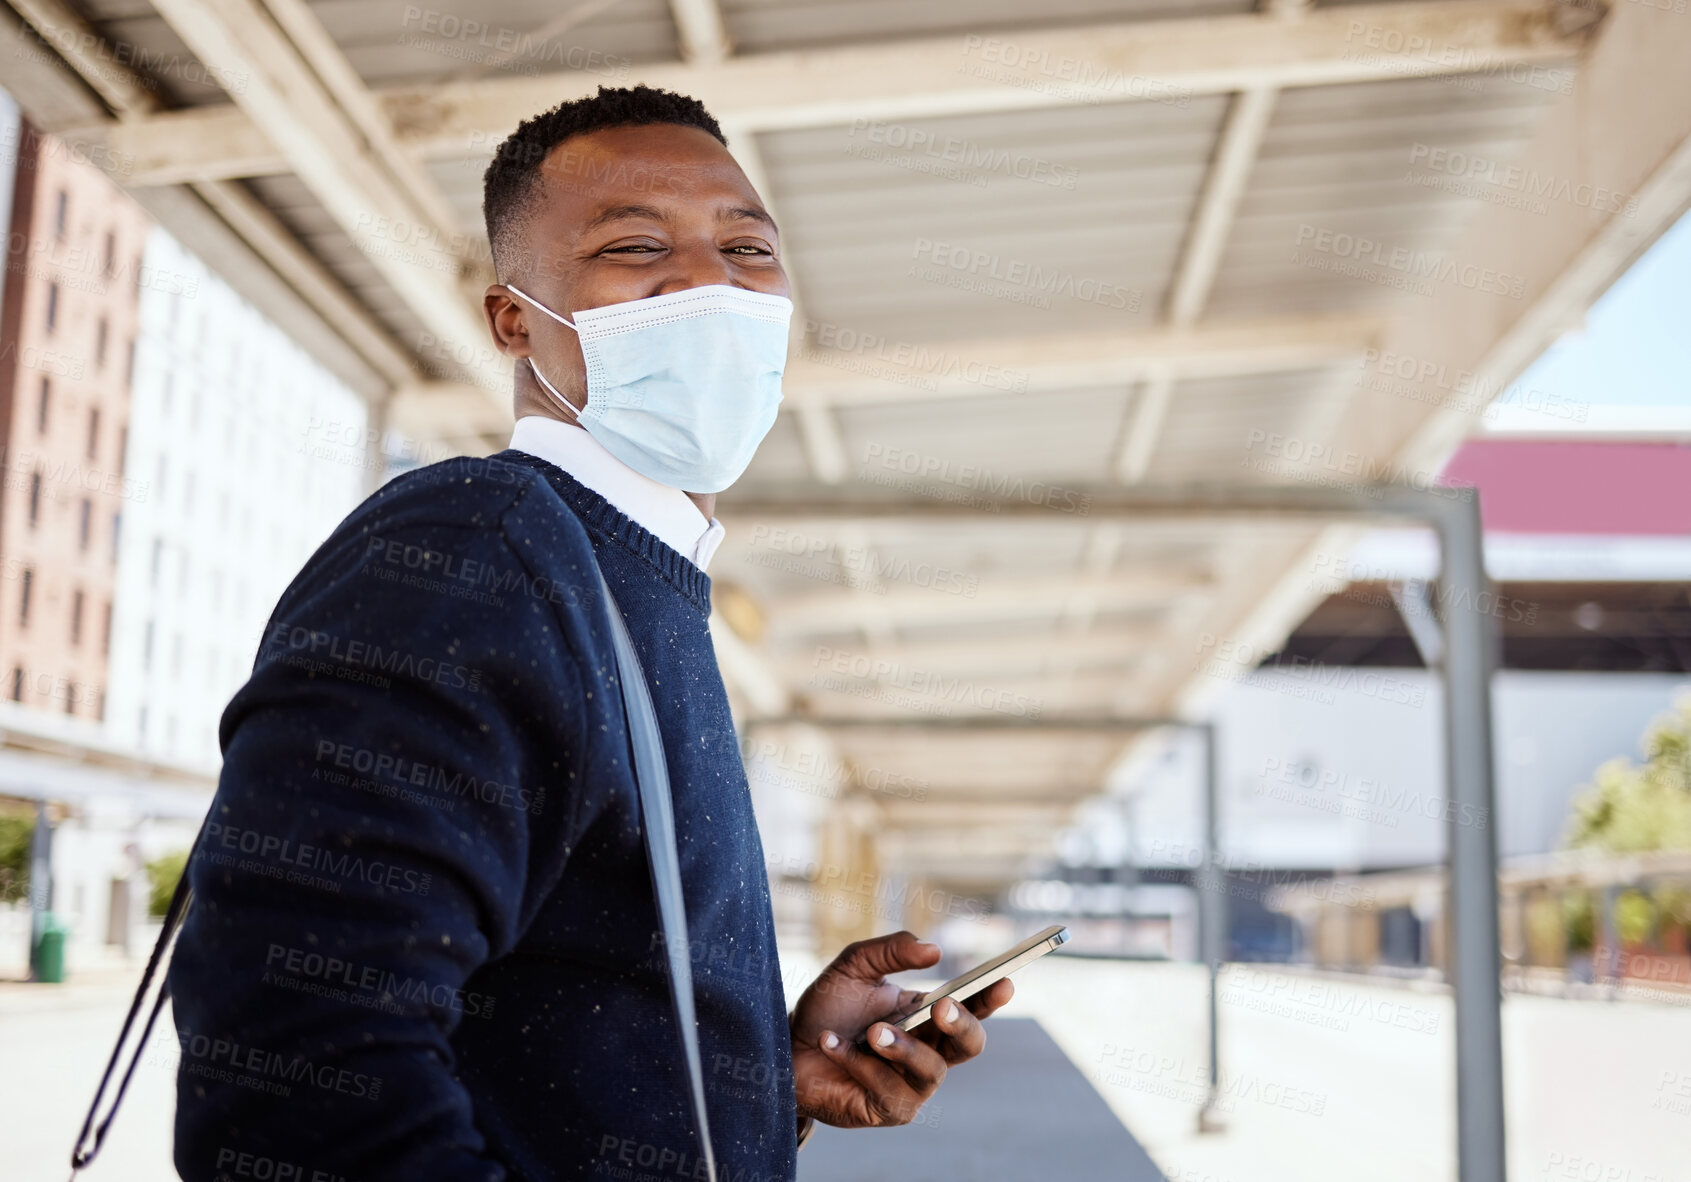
[
  {"x": 631, "y": 248},
  {"x": 750, "y": 249}
]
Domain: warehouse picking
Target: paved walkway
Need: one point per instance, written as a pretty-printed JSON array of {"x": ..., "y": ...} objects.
[
  {"x": 1023, "y": 1110},
  {"x": 1322, "y": 1082}
]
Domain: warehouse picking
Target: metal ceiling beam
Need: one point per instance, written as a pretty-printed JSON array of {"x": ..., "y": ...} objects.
[
  {"x": 326, "y": 60},
  {"x": 1241, "y": 137},
  {"x": 908, "y": 606},
  {"x": 1053, "y": 362},
  {"x": 223, "y": 222},
  {"x": 700, "y": 30},
  {"x": 330, "y": 151},
  {"x": 1615, "y": 161},
  {"x": 968, "y": 73},
  {"x": 1248, "y": 117},
  {"x": 1085, "y": 649},
  {"x": 1204, "y": 501}
]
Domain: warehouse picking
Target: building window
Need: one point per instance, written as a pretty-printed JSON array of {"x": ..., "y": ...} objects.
[
  {"x": 41, "y": 411},
  {"x": 70, "y": 698},
  {"x": 100, "y": 708},
  {"x": 17, "y": 683},
  {"x": 27, "y": 585},
  {"x": 93, "y": 431},
  {"x": 76, "y": 602},
  {"x": 52, "y": 306},
  {"x": 129, "y": 365},
  {"x": 147, "y": 655},
  {"x": 158, "y": 561},
  {"x": 34, "y": 498},
  {"x": 109, "y": 263},
  {"x": 100, "y": 334},
  {"x": 117, "y": 525},
  {"x": 85, "y": 527},
  {"x": 106, "y": 635},
  {"x": 61, "y": 216}
]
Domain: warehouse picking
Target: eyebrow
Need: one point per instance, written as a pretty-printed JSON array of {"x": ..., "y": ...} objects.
[
  {"x": 617, "y": 213},
  {"x": 747, "y": 212}
]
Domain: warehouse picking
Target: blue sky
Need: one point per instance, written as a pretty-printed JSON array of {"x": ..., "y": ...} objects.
[{"x": 1635, "y": 349}]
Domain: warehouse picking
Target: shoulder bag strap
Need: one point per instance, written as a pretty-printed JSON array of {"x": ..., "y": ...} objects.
[
  {"x": 651, "y": 772},
  {"x": 92, "y": 1136},
  {"x": 657, "y": 811}
]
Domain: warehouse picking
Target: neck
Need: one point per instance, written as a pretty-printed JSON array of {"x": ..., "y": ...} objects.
[{"x": 706, "y": 503}]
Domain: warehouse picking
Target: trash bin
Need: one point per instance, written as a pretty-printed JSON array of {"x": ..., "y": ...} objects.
[{"x": 50, "y": 950}]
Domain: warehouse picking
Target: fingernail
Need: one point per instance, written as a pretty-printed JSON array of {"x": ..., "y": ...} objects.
[
  {"x": 884, "y": 1038},
  {"x": 830, "y": 1040},
  {"x": 926, "y": 944},
  {"x": 947, "y": 1010}
]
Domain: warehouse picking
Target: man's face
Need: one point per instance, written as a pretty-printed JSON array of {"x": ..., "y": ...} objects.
[{"x": 624, "y": 214}]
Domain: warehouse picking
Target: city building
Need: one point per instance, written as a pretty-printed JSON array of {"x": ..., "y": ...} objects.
[
  {"x": 246, "y": 452},
  {"x": 68, "y": 322}
]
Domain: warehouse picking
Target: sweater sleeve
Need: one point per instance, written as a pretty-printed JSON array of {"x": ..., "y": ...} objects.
[{"x": 396, "y": 794}]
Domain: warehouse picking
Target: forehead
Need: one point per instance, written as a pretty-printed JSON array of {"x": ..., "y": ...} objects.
[{"x": 661, "y": 165}]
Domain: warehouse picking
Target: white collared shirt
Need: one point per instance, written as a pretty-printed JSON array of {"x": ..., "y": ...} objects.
[{"x": 667, "y": 512}]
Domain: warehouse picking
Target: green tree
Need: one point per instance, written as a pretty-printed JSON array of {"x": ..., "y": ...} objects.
[
  {"x": 15, "y": 835},
  {"x": 162, "y": 876},
  {"x": 1631, "y": 807}
]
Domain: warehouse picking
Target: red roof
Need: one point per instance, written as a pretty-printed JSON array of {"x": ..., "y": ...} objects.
[{"x": 1537, "y": 486}]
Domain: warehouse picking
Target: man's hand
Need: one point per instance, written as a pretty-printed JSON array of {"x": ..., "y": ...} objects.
[{"x": 839, "y": 1084}]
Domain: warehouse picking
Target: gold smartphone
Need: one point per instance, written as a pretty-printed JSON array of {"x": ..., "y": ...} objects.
[{"x": 987, "y": 973}]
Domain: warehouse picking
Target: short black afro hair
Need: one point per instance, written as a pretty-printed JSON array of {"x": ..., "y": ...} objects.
[{"x": 512, "y": 180}]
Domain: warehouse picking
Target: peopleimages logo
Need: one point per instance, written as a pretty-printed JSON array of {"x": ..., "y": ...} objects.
[
  {"x": 224, "y": 1060},
  {"x": 355, "y": 659},
  {"x": 389, "y": 767},
  {"x": 305, "y": 858},
  {"x": 1412, "y": 264},
  {"x": 348, "y": 981}
]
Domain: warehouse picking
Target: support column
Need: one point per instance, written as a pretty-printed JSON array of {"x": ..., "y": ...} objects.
[
  {"x": 1212, "y": 925},
  {"x": 1468, "y": 663}
]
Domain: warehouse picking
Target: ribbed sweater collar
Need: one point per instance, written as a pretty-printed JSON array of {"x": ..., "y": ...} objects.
[{"x": 611, "y": 523}]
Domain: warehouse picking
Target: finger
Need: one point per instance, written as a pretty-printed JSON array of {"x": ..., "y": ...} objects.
[
  {"x": 992, "y": 999},
  {"x": 921, "y": 1062},
  {"x": 909, "y": 999},
  {"x": 958, "y": 1035},
  {"x": 887, "y": 1092},
  {"x": 870, "y": 960}
]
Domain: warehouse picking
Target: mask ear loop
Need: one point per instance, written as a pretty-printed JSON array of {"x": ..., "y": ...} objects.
[{"x": 567, "y": 406}]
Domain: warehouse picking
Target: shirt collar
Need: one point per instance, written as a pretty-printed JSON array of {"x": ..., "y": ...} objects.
[{"x": 667, "y": 512}]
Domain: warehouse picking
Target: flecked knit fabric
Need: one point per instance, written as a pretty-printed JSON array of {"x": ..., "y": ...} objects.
[{"x": 423, "y": 943}]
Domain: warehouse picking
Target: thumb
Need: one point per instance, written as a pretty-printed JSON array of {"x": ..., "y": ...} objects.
[{"x": 870, "y": 960}]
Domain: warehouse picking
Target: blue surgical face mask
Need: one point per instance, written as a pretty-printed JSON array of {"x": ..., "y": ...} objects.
[{"x": 681, "y": 387}]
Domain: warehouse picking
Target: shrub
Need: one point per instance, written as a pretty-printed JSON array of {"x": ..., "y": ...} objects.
[{"x": 163, "y": 875}]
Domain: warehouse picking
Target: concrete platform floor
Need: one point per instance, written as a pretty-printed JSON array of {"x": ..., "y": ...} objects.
[
  {"x": 1322, "y": 1082},
  {"x": 1024, "y": 1111}
]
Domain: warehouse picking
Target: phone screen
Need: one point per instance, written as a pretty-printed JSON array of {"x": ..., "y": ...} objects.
[{"x": 983, "y": 975}]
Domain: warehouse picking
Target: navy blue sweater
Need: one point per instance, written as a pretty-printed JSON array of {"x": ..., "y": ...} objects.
[{"x": 423, "y": 943}]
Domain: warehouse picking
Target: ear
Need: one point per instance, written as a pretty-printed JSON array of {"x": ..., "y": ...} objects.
[{"x": 505, "y": 321}]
